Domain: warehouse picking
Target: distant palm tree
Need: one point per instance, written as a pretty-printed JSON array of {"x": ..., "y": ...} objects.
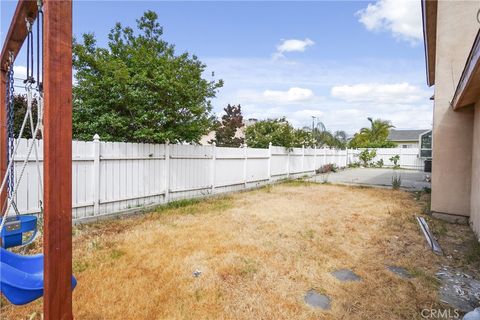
[
  {"x": 341, "y": 136},
  {"x": 378, "y": 130},
  {"x": 375, "y": 135},
  {"x": 324, "y": 138}
]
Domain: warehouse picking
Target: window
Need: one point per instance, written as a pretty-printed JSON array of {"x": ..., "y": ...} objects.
[{"x": 426, "y": 145}]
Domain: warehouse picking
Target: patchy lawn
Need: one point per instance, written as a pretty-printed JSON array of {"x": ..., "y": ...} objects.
[{"x": 259, "y": 252}]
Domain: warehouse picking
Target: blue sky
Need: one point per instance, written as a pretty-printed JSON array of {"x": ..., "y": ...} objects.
[{"x": 340, "y": 61}]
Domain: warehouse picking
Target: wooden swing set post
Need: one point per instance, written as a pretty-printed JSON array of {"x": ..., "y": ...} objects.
[{"x": 57, "y": 84}]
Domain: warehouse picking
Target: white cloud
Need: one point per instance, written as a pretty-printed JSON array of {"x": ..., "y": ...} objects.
[
  {"x": 400, "y": 17},
  {"x": 20, "y": 72},
  {"x": 294, "y": 94},
  {"x": 263, "y": 87},
  {"x": 292, "y": 45},
  {"x": 380, "y": 93}
]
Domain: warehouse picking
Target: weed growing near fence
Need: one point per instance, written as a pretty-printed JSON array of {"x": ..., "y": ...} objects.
[{"x": 396, "y": 181}]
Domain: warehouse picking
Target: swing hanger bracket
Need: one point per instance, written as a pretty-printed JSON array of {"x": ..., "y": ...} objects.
[
  {"x": 29, "y": 80},
  {"x": 29, "y": 23},
  {"x": 10, "y": 60}
]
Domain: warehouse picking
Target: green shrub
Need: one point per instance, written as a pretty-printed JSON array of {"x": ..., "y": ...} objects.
[
  {"x": 354, "y": 164},
  {"x": 378, "y": 164},
  {"x": 366, "y": 156},
  {"x": 395, "y": 159}
]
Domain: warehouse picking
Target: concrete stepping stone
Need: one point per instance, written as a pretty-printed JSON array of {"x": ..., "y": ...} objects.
[
  {"x": 399, "y": 271},
  {"x": 345, "y": 275},
  {"x": 317, "y": 300}
]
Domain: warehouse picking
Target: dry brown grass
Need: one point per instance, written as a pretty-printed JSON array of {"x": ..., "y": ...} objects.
[{"x": 259, "y": 252}]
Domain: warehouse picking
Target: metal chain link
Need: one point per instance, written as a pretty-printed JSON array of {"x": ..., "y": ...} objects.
[{"x": 10, "y": 130}]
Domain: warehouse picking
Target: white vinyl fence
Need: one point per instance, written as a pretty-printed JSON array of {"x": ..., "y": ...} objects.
[
  {"x": 113, "y": 177},
  {"x": 409, "y": 157}
]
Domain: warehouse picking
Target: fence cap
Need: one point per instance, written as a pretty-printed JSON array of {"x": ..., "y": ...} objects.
[{"x": 96, "y": 137}]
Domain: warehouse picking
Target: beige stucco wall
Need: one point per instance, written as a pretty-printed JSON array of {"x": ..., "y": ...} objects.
[
  {"x": 475, "y": 192},
  {"x": 457, "y": 27}
]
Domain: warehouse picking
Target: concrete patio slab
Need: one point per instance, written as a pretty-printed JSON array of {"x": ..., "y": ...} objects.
[{"x": 381, "y": 177}]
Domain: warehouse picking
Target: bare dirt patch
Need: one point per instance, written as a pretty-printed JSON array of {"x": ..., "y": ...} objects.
[{"x": 255, "y": 255}]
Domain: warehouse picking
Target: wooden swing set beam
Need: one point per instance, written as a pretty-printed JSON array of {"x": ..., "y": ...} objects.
[{"x": 57, "y": 165}]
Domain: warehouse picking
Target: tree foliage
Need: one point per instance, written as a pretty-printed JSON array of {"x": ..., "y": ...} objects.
[
  {"x": 376, "y": 136},
  {"x": 277, "y": 131},
  {"x": 227, "y": 128},
  {"x": 325, "y": 138},
  {"x": 138, "y": 89}
]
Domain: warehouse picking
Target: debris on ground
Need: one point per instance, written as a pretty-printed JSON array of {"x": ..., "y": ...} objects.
[
  {"x": 458, "y": 289},
  {"x": 197, "y": 273},
  {"x": 473, "y": 315},
  {"x": 432, "y": 242}
]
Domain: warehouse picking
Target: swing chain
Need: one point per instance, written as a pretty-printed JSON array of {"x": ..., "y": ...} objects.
[
  {"x": 10, "y": 129},
  {"x": 30, "y": 79}
]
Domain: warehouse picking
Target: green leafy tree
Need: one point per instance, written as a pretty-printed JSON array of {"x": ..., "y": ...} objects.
[
  {"x": 138, "y": 89},
  {"x": 226, "y": 129},
  {"x": 277, "y": 131},
  {"x": 375, "y": 136},
  {"x": 303, "y": 137}
]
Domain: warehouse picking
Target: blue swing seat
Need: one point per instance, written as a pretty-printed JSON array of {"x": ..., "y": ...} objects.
[
  {"x": 15, "y": 227},
  {"x": 21, "y": 277}
]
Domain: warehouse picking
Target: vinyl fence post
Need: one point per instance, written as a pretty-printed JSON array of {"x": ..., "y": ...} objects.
[
  {"x": 315, "y": 159},
  {"x": 167, "y": 172},
  {"x": 402, "y": 160},
  {"x": 212, "y": 166},
  {"x": 269, "y": 166},
  {"x": 288, "y": 163},
  {"x": 303, "y": 158},
  {"x": 245, "y": 155},
  {"x": 346, "y": 158},
  {"x": 324, "y": 156},
  {"x": 96, "y": 175}
]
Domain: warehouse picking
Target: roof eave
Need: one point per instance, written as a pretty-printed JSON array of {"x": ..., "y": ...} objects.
[
  {"x": 429, "y": 18},
  {"x": 467, "y": 92}
]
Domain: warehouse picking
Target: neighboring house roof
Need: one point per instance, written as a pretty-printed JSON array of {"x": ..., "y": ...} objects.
[{"x": 405, "y": 135}]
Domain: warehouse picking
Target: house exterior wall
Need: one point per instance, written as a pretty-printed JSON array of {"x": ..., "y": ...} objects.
[
  {"x": 475, "y": 189},
  {"x": 452, "y": 131}
]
